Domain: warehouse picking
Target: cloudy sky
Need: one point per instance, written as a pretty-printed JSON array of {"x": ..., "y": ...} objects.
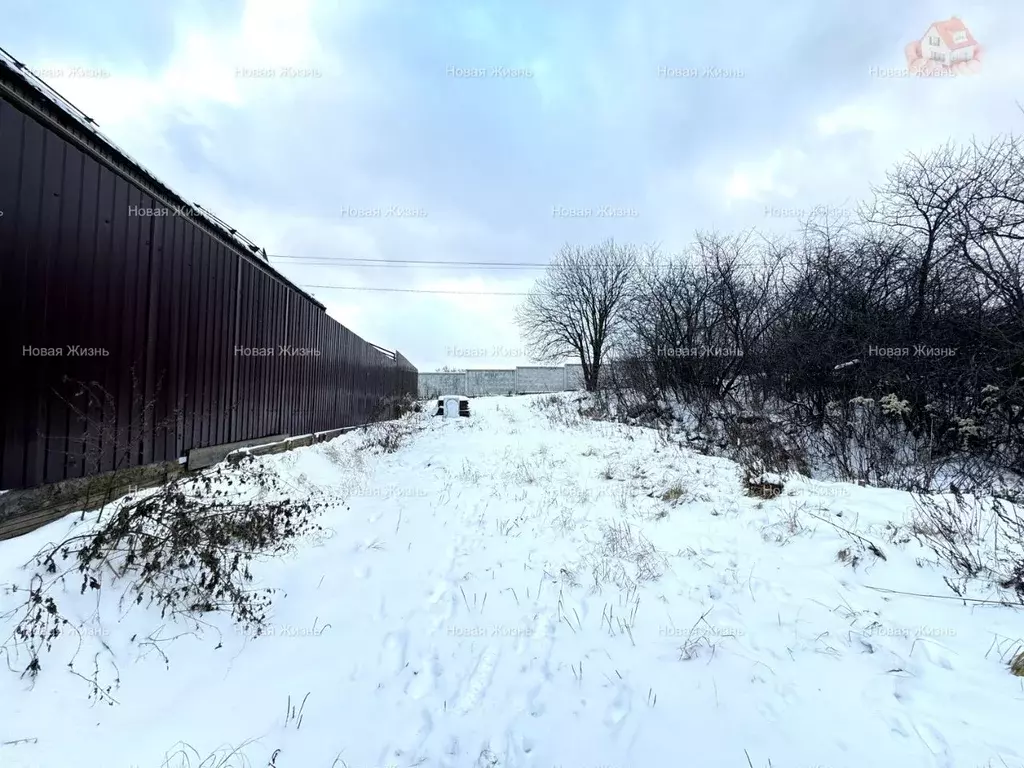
[{"x": 477, "y": 128}]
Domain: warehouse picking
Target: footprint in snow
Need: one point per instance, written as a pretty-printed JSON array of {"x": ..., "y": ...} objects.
[
  {"x": 424, "y": 680},
  {"x": 932, "y": 651},
  {"x": 393, "y": 654},
  {"x": 787, "y": 693},
  {"x": 450, "y": 758},
  {"x": 545, "y": 626},
  {"x": 439, "y": 592},
  {"x": 897, "y": 726},
  {"x": 426, "y": 725},
  {"x": 936, "y": 744},
  {"x": 450, "y": 556},
  {"x": 522, "y": 644},
  {"x": 768, "y": 711},
  {"x": 534, "y": 706},
  {"x": 453, "y": 746},
  {"x": 480, "y": 680},
  {"x": 619, "y": 709}
]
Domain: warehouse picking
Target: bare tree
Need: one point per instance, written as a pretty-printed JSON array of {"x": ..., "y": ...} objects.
[
  {"x": 576, "y": 309},
  {"x": 918, "y": 202},
  {"x": 988, "y": 227}
]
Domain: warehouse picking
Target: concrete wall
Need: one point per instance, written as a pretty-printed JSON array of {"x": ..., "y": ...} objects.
[
  {"x": 495, "y": 381},
  {"x": 540, "y": 379},
  {"x": 490, "y": 382},
  {"x": 437, "y": 384}
]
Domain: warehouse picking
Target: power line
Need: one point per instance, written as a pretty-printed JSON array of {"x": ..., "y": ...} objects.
[
  {"x": 345, "y": 265},
  {"x": 409, "y": 262},
  {"x": 415, "y": 290},
  {"x": 350, "y": 261},
  {"x": 345, "y": 261}
]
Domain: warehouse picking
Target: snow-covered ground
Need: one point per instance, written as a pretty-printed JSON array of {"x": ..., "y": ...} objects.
[{"x": 508, "y": 591}]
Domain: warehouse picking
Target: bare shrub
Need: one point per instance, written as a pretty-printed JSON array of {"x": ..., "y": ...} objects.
[
  {"x": 186, "y": 550},
  {"x": 953, "y": 530},
  {"x": 407, "y": 404},
  {"x": 394, "y": 407},
  {"x": 1011, "y": 575},
  {"x": 763, "y": 442},
  {"x": 387, "y": 437},
  {"x": 560, "y": 411},
  {"x": 867, "y": 441},
  {"x": 601, "y": 405},
  {"x": 977, "y": 537}
]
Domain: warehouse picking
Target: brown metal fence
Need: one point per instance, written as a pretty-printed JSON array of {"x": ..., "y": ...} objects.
[{"x": 135, "y": 329}]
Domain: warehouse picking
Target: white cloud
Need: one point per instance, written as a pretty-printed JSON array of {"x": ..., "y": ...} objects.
[
  {"x": 759, "y": 179},
  {"x": 859, "y": 116}
]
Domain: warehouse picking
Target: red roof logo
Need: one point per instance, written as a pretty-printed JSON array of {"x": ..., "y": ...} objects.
[{"x": 947, "y": 48}]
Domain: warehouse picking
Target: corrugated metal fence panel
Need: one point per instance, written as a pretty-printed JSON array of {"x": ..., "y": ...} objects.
[
  {"x": 12, "y": 126},
  {"x": 48, "y": 261},
  {"x": 25, "y": 206},
  {"x": 161, "y": 336}
]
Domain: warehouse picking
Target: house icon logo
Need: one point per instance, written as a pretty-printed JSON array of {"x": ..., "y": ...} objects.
[{"x": 947, "y": 48}]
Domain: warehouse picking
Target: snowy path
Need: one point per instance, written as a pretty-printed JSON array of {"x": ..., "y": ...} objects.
[{"x": 504, "y": 593}]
